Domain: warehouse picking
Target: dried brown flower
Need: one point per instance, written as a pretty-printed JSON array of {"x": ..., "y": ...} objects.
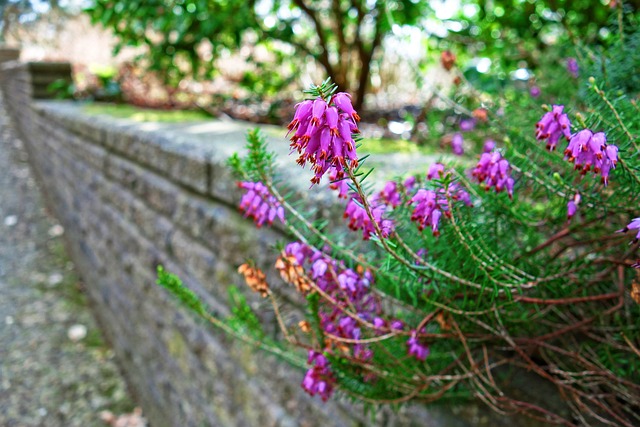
[
  {"x": 480, "y": 114},
  {"x": 635, "y": 291},
  {"x": 443, "y": 321},
  {"x": 293, "y": 273},
  {"x": 304, "y": 326},
  {"x": 255, "y": 279}
]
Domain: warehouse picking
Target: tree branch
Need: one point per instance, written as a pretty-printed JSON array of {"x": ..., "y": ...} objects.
[{"x": 323, "y": 56}]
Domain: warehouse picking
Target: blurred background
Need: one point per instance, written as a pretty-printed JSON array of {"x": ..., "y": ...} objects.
[{"x": 248, "y": 59}]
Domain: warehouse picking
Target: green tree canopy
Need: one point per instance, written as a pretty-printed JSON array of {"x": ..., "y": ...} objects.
[{"x": 341, "y": 35}]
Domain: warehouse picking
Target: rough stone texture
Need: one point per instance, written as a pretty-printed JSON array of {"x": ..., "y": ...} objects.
[
  {"x": 132, "y": 196},
  {"x": 50, "y": 375}
]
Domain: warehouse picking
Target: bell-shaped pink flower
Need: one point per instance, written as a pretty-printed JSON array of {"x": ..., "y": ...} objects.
[
  {"x": 493, "y": 170},
  {"x": 633, "y": 225},
  {"x": 457, "y": 144},
  {"x": 343, "y": 101},
  {"x": 324, "y": 134},
  {"x": 359, "y": 219},
  {"x": 590, "y": 152},
  {"x": 572, "y": 206},
  {"x": 319, "y": 379},
  {"x": 416, "y": 348},
  {"x": 259, "y": 204},
  {"x": 553, "y": 126}
]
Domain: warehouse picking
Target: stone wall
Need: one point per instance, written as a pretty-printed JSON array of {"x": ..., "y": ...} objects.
[
  {"x": 135, "y": 195},
  {"x": 130, "y": 199},
  {"x": 8, "y": 53}
]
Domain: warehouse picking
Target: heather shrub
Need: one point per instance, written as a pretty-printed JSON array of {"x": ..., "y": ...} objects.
[{"x": 520, "y": 256}]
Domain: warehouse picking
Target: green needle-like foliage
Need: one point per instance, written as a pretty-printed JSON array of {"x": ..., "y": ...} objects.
[
  {"x": 258, "y": 164},
  {"x": 456, "y": 305},
  {"x": 186, "y": 296}
]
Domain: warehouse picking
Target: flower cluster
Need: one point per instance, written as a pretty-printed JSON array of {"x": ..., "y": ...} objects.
[
  {"x": 552, "y": 126},
  {"x": 333, "y": 278},
  {"x": 322, "y": 134},
  {"x": 258, "y": 203},
  {"x": 494, "y": 171},
  {"x": 360, "y": 220},
  {"x": 417, "y": 348},
  {"x": 319, "y": 379},
  {"x": 431, "y": 204},
  {"x": 350, "y": 308},
  {"x": 590, "y": 151},
  {"x": 410, "y": 183},
  {"x": 587, "y": 150},
  {"x": 255, "y": 279},
  {"x": 436, "y": 171},
  {"x": 427, "y": 211},
  {"x": 349, "y": 291},
  {"x": 390, "y": 194}
]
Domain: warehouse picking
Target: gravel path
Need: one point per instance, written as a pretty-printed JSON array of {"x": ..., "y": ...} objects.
[{"x": 55, "y": 369}]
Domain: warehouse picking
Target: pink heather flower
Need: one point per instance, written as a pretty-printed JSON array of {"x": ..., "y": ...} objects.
[
  {"x": 340, "y": 184},
  {"x": 379, "y": 323},
  {"x": 534, "y": 91},
  {"x": 633, "y": 225},
  {"x": 494, "y": 171},
  {"x": 359, "y": 220},
  {"x": 347, "y": 287},
  {"x": 590, "y": 151},
  {"x": 409, "y": 183},
  {"x": 552, "y": 126},
  {"x": 572, "y": 206},
  {"x": 436, "y": 171},
  {"x": 571, "y": 209},
  {"x": 302, "y": 112},
  {"x": 427, "y": 211},
  {"x": 319, "y": 268},
  {"x": 397, "y": 325},
  {"x": 455, "y": 191},
  {"x": 489, "y": 145},
  {"x": 572, "y": 67},
  {"x": 299, "y": 251},
  {"x": 390, "y": 195},
  {"x": 323, "y": 135},
  {"x": 416, "y": 348},
  {"x": 343, "y": 101},
  {"x": 467, "y": 124},
  {"x": 319, "y": 379},
  {"x": 611, "y": 152},
  {"x": 259, "y": 204},
  {"x": 429, "y": 205},
  {"x": 457, "y": 144}
]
